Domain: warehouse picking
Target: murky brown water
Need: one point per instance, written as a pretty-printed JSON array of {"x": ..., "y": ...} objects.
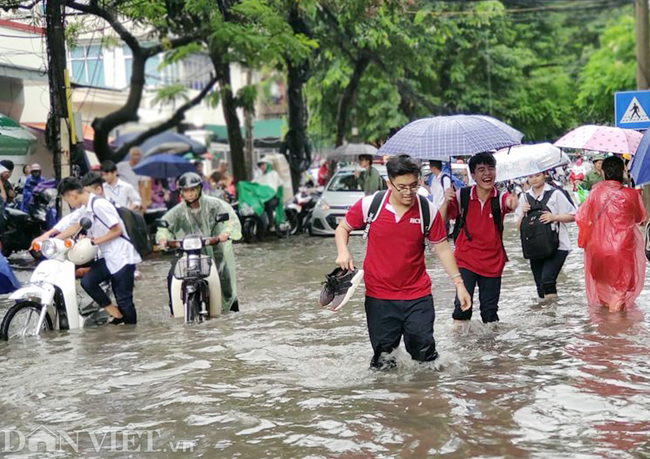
[{"x": 285, "y": 379}]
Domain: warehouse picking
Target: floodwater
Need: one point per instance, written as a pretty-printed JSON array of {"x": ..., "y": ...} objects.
[{"x": 285, "y": 379}]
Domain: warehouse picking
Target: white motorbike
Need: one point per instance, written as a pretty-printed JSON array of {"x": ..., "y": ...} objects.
[
  {"x": 195, "y": 287},
  {"x": 51, "y": 299}
]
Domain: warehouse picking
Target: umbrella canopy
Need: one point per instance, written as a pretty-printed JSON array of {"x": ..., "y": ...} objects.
[
  {"x": 601, "y": 138},
  {"x": 166, "y": 142},
  {"x": 350, "y": 152},
  {"x": 14, "y": 139},
  {"x": 8, "y": 281},
  {"x": 640, "y": 167},
  {"x": 163, "y": 166},
  {"x": 443, "y": 136},
  {"x": 524, "y": 160}
]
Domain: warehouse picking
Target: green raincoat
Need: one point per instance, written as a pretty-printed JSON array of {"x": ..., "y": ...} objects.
[
  {"x": 183, "y": 221},
  {"x": 261, "y": 190}
]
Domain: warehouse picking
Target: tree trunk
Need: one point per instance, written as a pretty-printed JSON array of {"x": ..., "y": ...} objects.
[
  {"x": 347, "y": 99},
  {"x": 229, "y": 104},
  {"x": 248, "y": 123}
]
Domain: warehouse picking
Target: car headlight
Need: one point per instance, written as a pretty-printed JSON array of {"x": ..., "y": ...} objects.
[
  {"x": 246, "y": 211},
  {"x": 323, "y": 204},
  {"x": 192, "y": 243}
]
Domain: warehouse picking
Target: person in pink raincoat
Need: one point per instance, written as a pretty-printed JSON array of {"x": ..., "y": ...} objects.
[{"x": 609, "y": 233}]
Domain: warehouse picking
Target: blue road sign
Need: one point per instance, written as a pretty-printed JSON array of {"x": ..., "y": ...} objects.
[{"x": 631, "y": 109}]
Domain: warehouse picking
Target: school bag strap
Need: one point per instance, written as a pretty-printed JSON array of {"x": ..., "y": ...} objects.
[
  {"x": 377, "y": 203},
  {"x": 92, "y": 208},
  {"x": 462, "y": 214}
]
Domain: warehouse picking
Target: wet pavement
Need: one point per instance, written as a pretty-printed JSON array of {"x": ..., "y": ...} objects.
[{"x": 285, "y": 379}]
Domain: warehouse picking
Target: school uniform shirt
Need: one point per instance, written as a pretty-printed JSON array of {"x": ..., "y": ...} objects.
[
  {"x": 125, "y": 172},
  {"x": 122, "y": 194},
  {"x": 117, "y": 252},
  {"x": 484, "y": 254},
  {"x": 73, "y": 217},
  {"x": 394, "y": 266},
  {"x": 558, "y": 203},
  {"x": 438, "y": 185}
]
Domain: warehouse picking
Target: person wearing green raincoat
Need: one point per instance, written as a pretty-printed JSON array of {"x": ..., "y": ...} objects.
[
  {"x": 197, "y": 215},
  {"x": 264, "y": 194}
]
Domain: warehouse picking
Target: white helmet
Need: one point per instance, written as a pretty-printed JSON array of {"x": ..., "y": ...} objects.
[{"x": 83, "y": 252}]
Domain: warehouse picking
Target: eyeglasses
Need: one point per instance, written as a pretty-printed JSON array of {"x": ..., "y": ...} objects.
[{"x": 406, "y": 189}]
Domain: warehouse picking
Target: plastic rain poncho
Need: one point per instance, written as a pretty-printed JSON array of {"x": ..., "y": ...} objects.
[
  {"x": 614, "y": 247},
  {"x": 183, "y": 221},
  {"x": 261, "y": 190}
]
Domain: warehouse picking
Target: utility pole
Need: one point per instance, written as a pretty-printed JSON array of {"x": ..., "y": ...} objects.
[
  {"x": 642, "y": 45},
  {"x": 56, "y": 63},
  {"x": 248, "y": 126}
]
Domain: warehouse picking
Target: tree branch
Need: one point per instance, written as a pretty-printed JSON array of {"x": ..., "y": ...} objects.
[
  {"x": 126, "y": 36},
  {"x": 175, "y": 119}
]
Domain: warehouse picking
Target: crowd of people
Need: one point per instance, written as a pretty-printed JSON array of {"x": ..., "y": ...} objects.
[{"x": 398, "y": 289}]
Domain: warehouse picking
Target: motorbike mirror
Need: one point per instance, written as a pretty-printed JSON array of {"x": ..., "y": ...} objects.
[
  {"x": 160, "y": 223},
  {"x": 223, "y": 217},
  {"x": 86, "y": 223}
]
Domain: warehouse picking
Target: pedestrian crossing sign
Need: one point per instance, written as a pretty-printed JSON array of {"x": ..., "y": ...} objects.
[{"x": 632, "y": 109}]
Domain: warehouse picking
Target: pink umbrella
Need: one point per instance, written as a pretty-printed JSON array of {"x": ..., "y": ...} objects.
[{"x": 602, "y": 138}]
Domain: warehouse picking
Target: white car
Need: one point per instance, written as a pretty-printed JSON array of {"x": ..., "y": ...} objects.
[{"x": 338, "y": 196}]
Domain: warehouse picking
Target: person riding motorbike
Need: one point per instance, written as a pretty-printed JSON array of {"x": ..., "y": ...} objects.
[
  {"x": 196, "y": 215},
  {"x": 270, "y": 178}
]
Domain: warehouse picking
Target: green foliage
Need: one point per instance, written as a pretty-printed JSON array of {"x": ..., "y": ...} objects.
[
  {"x": 246, "y": 97},
  {"x": 610, "y": 68},
  {"x": 170, "y": 94}
]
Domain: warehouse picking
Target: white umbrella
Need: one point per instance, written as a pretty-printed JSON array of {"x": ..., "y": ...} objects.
[
  {"x": 350, "y": 151},
  {"x": 524, "y": 160}
]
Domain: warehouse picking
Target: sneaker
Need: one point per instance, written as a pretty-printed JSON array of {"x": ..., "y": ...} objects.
[
  {"x": 329, "y": 287},
  {"x": 347, "y": 283}
]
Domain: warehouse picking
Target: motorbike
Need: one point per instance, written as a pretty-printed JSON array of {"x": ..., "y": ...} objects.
[
  {"x": 21, "y": 228},
  {"x": 51, "y": 299},
  {"x": 195, "y": 287},
  {"x": 258, "y": 226},
  {"x": 299, "y": 211}
]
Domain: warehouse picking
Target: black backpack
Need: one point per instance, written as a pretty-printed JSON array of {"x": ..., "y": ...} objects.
[
  {"x": 538, "y": 240},
  {"x": 495, "y": 209},
  {"x": 137, "y": 231},
  {"x": 377, "y": 203},
  {"x": 647, "y": 241}
]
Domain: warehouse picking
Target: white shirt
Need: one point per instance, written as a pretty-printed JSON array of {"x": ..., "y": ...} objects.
[
  {"x": 558, "y": 204},
  {"x": 125, "y": 171},
  {"x": 117, "y": 252},
  {"x": 438, "y": 188},
  {"x": 70, "y": 219},
  {"x": 122, "y": 194}
]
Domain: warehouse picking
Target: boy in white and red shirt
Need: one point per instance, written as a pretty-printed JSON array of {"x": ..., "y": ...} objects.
[
  {"x": 398, "y": 288},
  {"x": 479, "y": 248}
]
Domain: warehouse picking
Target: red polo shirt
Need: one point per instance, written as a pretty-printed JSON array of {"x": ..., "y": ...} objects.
[
  {"x": 484, "y": 254},
  {"x": 394, "y": 267}
]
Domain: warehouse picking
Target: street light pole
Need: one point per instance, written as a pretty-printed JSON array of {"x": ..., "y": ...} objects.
[{"x": 642, "y": 45}]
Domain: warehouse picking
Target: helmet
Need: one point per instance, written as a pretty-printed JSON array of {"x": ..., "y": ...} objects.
[
  {"x": 191, "y": 180},
  {"x": 83, "y": 252}
]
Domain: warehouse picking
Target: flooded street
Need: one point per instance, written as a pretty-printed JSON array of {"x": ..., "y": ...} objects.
[{"x": 285, "y": 379}]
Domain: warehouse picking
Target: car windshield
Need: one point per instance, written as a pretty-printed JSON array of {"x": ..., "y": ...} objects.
[{"x": 344, "y": 181}]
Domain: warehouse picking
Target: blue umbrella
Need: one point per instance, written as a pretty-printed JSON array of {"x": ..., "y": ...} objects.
[
  {"x": 163, "y": 166},
  {"x": 165, "y": 142},
  {"x": 443, "y": 136},
  {"x": 8, "y": 281},
  {"x": 640, "y": 168}
]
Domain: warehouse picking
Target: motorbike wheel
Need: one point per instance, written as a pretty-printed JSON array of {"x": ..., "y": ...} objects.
[
  {"x": 20, "y": 318},
  {"x": 193, "y": 308},
  {"x": 293, "y": 218},
  {"x": 249, "y": 229}
]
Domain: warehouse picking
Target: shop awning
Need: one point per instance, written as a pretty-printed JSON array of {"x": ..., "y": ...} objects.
[{"x": 15, "y": 140}]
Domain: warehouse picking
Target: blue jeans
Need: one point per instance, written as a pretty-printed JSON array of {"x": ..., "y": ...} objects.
[{"x": 121, "y": 282}]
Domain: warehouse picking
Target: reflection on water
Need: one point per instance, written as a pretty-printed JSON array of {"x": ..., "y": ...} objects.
[{"x": 284, "y": 378}]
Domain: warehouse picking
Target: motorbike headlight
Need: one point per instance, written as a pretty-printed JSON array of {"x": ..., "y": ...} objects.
[
  {"x": 246, "y": 211},
  {"x": 49, "y": 249},
  {"x": 192, "y": 243}
]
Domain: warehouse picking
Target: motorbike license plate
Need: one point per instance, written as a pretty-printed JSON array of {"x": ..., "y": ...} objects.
[{"x": 339, "y": 219}]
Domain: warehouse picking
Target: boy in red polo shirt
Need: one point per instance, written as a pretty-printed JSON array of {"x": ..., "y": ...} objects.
[
  {"x": 398, "y": 288},
  {"x": 479, "y": 248}
]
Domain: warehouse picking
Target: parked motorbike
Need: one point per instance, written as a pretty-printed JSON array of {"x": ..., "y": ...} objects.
[
  {"x": 196, "y": 288},
  {"x": 299, "y": 211},
  {"x": 258, "y": 226},
  {"x": 51, "y": 299},
  {"x": 21, "y": 228}
]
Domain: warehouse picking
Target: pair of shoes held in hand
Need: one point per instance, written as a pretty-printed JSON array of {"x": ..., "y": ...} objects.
[{"x": 339, "y": 287}]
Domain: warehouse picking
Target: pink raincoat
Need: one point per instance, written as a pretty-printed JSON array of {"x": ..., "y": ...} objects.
[{"x": 614, "y": 247}]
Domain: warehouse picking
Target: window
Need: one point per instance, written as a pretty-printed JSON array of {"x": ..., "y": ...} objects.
[{"x": 87, "y": 65}]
